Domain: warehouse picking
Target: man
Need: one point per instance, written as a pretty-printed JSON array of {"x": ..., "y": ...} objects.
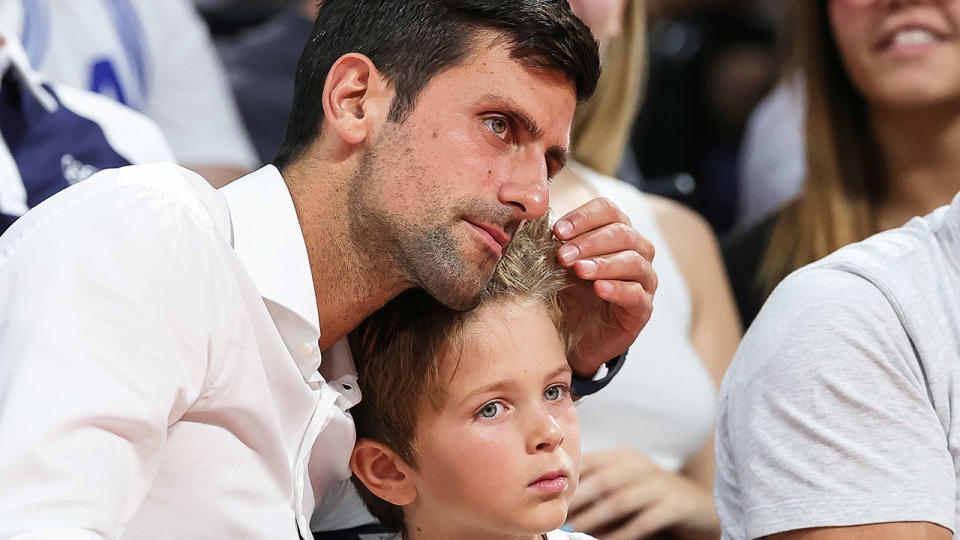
[{"x": 161, "y": 340}]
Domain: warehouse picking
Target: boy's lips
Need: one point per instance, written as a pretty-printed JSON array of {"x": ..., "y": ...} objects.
[{"x": 551, "y": 482}]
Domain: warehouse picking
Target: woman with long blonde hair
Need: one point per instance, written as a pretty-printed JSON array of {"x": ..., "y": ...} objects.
[{"x": 647, "y": 438}]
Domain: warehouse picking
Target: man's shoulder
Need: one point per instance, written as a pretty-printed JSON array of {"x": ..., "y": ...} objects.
[{"x": 160, "y": 196}]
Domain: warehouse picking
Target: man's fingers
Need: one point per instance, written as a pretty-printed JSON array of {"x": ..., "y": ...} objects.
[
  {"x": 623, "y": 266},
  {"x": 587, "y": 217},
  {"x": 626, "y": 294},
  {"x": 610, "y": 238}
]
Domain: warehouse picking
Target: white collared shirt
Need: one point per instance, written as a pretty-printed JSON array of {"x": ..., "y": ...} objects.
[{"x": 158, "y": 363}]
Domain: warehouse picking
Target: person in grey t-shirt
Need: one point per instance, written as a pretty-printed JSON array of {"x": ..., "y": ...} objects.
[{"x": 842, "y": 405}]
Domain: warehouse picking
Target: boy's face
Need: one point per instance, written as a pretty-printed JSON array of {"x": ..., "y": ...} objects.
[{"x": 503, "y": 454}]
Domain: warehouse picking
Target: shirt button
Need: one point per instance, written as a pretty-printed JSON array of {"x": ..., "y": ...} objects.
[{"x": 306, "y": 349}]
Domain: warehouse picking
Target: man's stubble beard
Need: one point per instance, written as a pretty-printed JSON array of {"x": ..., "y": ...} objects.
[{"x": 424, "y": 252}]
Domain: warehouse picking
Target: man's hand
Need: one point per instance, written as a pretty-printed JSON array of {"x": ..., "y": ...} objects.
[
  {"x": 613, "y": 299},
  {"x": 623, "y": 495}
]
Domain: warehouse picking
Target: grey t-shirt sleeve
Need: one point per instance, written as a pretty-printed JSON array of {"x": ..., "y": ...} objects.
[{"x": 825, "y": 417}]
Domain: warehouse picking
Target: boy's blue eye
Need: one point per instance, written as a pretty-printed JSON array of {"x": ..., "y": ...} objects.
[
  {"x": 554, "y": 393},
  {"x": 491, "y": 410}
]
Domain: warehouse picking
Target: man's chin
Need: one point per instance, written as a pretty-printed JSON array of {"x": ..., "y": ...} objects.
[{"x": 457, "y": 298}]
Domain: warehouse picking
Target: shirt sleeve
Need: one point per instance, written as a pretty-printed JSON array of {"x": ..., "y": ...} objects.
[
  {"x": 825, "y": 418},
  {"x": 190, "y": 97},
  {"x": 105, "y": 341}
]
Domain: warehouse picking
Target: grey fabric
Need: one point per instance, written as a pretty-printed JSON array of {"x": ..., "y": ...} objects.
[{"x": 842, "y": 403}]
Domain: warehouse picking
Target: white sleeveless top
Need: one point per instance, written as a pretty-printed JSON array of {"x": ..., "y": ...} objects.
[{"x": 663, "y": 401}]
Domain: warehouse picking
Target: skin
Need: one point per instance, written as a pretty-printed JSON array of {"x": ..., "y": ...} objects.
[
  {"x": 386, "y": 206},
  {"x": 912, "y": 95},
  {"x": 502, "y": 426}
]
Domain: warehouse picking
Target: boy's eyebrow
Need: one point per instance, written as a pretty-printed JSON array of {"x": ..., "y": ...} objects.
[{"x": 508, "y": 384}]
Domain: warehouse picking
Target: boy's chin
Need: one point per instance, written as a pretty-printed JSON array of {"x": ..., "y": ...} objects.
[{"x": 548, "y": 516}]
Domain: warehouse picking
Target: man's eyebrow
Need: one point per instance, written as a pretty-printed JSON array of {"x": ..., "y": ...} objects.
[
  {"x": 562, "y": 370},
  {"x": 556, "y": 154},
  {"x": 528, "y": 124}
]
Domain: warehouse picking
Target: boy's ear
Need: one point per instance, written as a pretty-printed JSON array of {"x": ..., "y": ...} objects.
[
  {"x": 356, "y": 98},
  {"x": 384, "y": 473}
]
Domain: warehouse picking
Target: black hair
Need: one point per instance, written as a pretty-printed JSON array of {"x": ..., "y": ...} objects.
[{"x": 412, "y": 41}]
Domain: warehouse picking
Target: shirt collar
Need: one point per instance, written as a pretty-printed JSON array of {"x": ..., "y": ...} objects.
[
  {"x": 12, "y": 56},
  {"x": 269, "y": 242}
]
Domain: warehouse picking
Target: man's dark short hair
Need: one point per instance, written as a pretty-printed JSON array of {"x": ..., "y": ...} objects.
[{"x": 412, "y": 41}]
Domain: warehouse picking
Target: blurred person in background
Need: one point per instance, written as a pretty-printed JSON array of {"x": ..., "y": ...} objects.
[
  {"x": 711, "y": 62},
  {"x": 838, "y": 415},
  {"x": 53, "y": 136},
  {"x": 882, "y": 134},
  {"x": 155, "y": 57},
  {"x": 647, "y": 438},
  {"x": 261, "y": 62}
]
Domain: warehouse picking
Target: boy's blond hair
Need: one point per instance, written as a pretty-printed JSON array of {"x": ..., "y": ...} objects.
[{"x": 398, "y": 349}]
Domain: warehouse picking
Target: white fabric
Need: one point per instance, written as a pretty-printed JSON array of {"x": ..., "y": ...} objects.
[
  {"x": 157, "y": 383},
  {"x": 662, "y": 402},
  {"x": 163, "y": 59},
  {"x": 773, "y": 154},
  {"x": 842, "y": 404},
  {"x": 129, "y": 133}
]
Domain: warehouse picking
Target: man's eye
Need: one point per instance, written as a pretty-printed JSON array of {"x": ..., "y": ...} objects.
[
  {"x": 491, "y": 410},
  {"x": 554, "y": 393},
  {"x": 496, "y": 124}
]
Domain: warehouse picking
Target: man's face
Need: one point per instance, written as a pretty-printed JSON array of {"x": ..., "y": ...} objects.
[
  {"x": 502, "y": 455},
  {"x": 440, "y": 195}
]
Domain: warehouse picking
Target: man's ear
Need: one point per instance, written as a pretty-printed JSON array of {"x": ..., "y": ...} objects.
[
  {"x": 356, "y": 98},
  {"x": 384, "y": 473}
]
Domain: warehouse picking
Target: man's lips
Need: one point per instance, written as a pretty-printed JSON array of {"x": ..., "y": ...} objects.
[
  {"x": 551, "y": 482},
  {"x": 496, "y": 238}
]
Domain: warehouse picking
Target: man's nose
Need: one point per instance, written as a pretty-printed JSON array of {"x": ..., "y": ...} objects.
[
  {"x": 527, "y": 190},
  {"x": 545, "y": 434}
]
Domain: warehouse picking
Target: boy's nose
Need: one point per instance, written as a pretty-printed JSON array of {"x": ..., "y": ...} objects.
[{"x": 547, "y": 435}]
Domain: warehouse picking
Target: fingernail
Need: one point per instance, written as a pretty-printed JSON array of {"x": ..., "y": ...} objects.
[
  {"x": 569, "y": 253},
  {"x": 587, "y": 268},
  {"x": 604, "y": 287},
  {"x": 564, "y": 228}
]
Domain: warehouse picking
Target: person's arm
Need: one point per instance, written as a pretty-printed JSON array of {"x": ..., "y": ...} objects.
[
  {"x": 643, "y": 497},
  {"x": 880, "y": 531},
  {"x": 104, "y": 345}
]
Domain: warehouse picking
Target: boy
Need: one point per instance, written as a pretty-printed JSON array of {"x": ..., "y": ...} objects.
[{"x": 467, "y": 427}]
